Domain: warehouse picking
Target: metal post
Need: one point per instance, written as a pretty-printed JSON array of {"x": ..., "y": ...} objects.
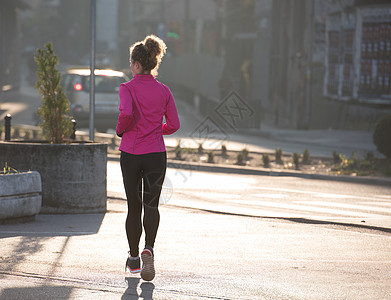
[
  {"x": 73, "y": 136},
  {"x": 307, "y": 108},
  {"x": 92, "y": 67},
  {"x": 186, "y": 37},
  {"x": 7, "y": 125}
]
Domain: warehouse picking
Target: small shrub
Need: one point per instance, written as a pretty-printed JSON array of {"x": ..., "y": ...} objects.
[
  {"x": 240, "y": 159},
  {"x": 369, "y": 156},
  {"x": 27, "y": 135},
  {"x": 382, "y": 136},
  {"x": 210, "y": 157},
  {"x": 354, "y": 161},
  {"x": 200, "y": 149},
  {"x": 113, "y": 143},
  {"x": 178, "y": 150},
  {"x": 266, "y": 160},
  {"x": 295, "y": 158},
  {"x": 278, "y": 155},
  {"x": 245, "y": 154},
  {"x": 178, "y": 153},
  {"x": 336, "y": 157},
  {"x": 188, "y": 150},
  {"x": 306, "y": 157},
  {"x": 16, "y": 133},
  {"x": 355, "y": 165},
  {"x": 223, "y": 151}
]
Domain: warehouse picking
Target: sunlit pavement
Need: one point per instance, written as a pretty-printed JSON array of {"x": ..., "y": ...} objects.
[
  {"x": 216, "y": 241},
  {"x": 199, "y": 255},
  {"x": 220, "y": 237}
]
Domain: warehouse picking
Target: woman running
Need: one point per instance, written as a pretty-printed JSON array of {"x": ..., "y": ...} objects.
[{"x": 143, "y": 103}]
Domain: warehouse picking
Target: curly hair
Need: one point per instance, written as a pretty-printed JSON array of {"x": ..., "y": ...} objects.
[{"x": 148, "y": 53}]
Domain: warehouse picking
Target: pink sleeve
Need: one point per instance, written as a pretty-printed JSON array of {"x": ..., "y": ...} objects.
[
  {"x": 172, "y": 120},
  {"x": 125, "y": 108}
]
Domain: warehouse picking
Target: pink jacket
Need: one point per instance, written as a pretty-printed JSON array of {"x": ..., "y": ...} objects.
[{"x": 143, "y": 103}]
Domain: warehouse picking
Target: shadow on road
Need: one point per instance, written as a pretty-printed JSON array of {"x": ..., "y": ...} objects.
[
  {"x": 31, "y": 238},
  {"x": 39, "y": 292},
  {"x": 131, "y": 293}
]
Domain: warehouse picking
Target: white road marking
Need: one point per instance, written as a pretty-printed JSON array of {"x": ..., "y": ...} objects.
[
  {"x": 302, "y": 208},
  {"x": 326, "y": 195},
  {"x": 345, "y": 205}
]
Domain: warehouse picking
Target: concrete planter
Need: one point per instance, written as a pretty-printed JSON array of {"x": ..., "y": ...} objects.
[
  {"x": 73, "y": 175},
  {"x": 20, "y": 195}
]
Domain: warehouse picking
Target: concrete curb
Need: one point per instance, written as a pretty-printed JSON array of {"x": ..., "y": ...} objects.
[{"x": 191, "y": 166}]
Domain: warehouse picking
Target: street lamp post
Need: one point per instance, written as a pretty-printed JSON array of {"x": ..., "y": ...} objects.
[{"x": 92, "y": 67}]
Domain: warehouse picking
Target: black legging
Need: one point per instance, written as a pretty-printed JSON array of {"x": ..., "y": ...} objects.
[{"x": 151, "y": 168}]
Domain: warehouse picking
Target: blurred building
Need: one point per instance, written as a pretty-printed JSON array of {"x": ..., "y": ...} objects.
[
  {"x": 353, "y": 84},
  {"x": 296, "y": 63},
  {"x": 314, "y": 64},
  {"x": 321, "y": 64},
  {"x": 193, "y": 64},
  {"x": 281, "y": 88},
  {"x": 9, "y": 43}
]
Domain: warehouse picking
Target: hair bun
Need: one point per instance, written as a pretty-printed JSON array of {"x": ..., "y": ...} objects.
[
  {"x": 148, "y": 53},
  {"x": 155, "y": 46}
]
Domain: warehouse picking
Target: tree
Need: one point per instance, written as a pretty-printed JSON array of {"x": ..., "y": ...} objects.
[{"x": 56, "y": 124}]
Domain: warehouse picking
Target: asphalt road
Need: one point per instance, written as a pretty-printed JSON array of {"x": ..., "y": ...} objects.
[
  {"x": 219, "y": 238},
  {"x": 278, "y": 238},
  {"x": 271, "y": 197}
]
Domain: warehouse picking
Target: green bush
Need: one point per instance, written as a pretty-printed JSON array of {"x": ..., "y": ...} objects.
[
  {"x": 210, "y": 157},
  {"x": 266, "y": 160},
  {"x": 245, "y": 153},
  {"x": 369, "y": 156},
  {"x": 178, "y": 150},
  {"x": 278, "y": 155},
  {"x": 223, "y": 151},
  {"x": 306, "y": 156},
  {"x": 113, "y": 143},
  {"x": 382, "y": 136},
  {"x": 240, "y": 159},
  {"x": 56, "y": 123},
  {"x": 27, "y": 135},
  {"x": 16, "y": 133},
  {"x": 336, "y": 157},
  {"x": 178, "y": 153},
  {"x": 295, "y": 158},
  {"x": 200, "y": 149}
]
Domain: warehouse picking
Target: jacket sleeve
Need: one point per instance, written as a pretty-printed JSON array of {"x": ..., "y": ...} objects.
[
  {"x": 125, "y": 110},
  {"x": 172, "y": 120}
]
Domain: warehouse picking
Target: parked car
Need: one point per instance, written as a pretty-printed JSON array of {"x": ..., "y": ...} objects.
[{"x": 76, "y": 84}]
